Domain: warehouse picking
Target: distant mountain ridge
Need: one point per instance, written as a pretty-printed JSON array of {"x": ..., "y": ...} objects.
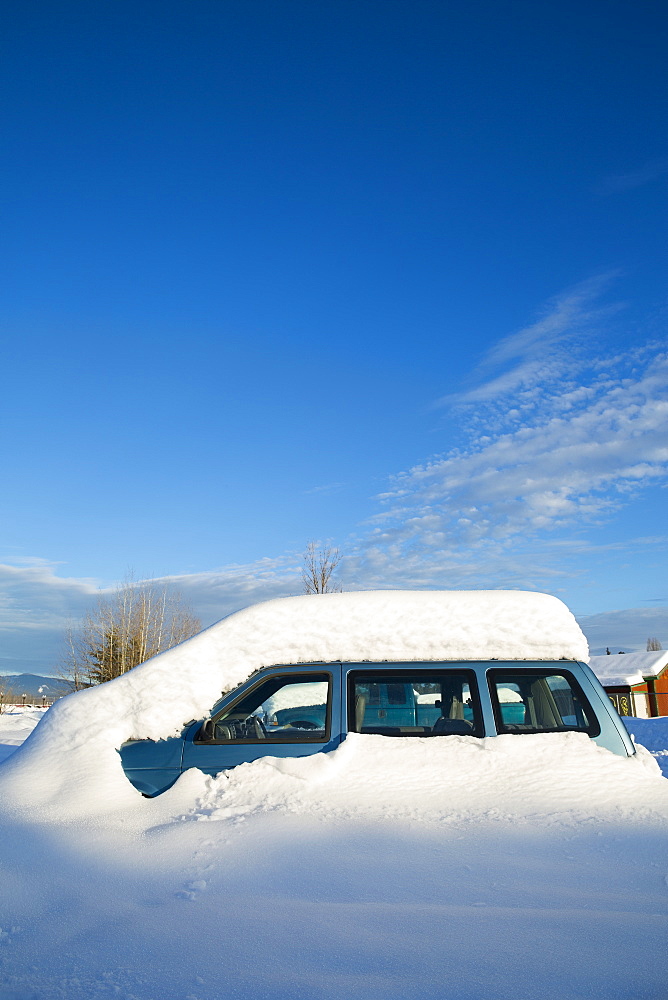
[{"x": 34, "y": 685}]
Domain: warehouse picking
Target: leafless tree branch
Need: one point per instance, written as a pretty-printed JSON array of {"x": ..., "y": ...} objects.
[
  {"x": 318, "y": 566},
  {"x": 137, "y": 621}
]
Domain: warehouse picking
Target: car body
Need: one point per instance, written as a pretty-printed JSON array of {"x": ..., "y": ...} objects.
[{"x": 298, "y": 709}]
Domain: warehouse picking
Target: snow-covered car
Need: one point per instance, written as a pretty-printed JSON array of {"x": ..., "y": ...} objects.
[{"x": 399, "y": 664}]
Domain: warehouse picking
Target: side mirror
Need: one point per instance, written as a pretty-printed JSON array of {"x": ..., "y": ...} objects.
[{"x": 205, "y": 735}]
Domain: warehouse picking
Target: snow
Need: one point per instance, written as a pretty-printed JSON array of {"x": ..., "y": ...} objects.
[
  {"x": 296, "y": 696},
  {"x": 16, "y": 725},
  {"x": 508, "y": 696},
  {"x": 621, "y": 669},
  {"x": 653, "y": 735},
  {"x": 459, "y": 779},
  {"x": 427, "y": 699},
  {"x": 511, "y": 867}
]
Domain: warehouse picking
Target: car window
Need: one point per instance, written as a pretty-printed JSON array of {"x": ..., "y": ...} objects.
[
  {"x": 535, "y": 701},
  {"x": 416, "y": 702},
  {"x": 287, "y": 708}
]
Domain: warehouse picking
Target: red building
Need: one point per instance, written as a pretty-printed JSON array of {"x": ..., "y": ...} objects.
[{"x": 636, "y": 683}]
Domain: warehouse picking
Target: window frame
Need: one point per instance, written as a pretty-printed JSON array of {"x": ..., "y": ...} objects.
[
  {"x": 296, "y": 678},
  {"x": 379, "y": 674},
  {"x": 505, "y": 729}
]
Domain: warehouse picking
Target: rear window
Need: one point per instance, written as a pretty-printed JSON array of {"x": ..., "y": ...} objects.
[
  {"x": 414, "y": 703},
  {"x": 540, "y": 701}
]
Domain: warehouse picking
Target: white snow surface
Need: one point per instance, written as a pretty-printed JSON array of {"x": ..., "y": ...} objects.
[
  {"x": 16, "y": 725},
  {"x": 71, "y": 756},
  {"x": 296, "y": 696},
  {"x": 510, "y": 867},
  {"x": 427, "y": 699},
  {"x": 652, "y": 734},
  {"x": 534, "y": 778}
]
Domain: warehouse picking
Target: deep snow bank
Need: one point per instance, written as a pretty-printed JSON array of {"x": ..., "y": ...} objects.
[
  {"x": 557, "y": 777},
  {"x": 392, "y": 875},
  {"x": 653, "y": 735},
  {"x": 70, "y": 765}
]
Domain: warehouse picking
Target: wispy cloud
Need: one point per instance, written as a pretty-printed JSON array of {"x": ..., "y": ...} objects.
[
  {"x": 37, "y": 605},
  {"x": 560, "y": 439},
  {"x": 579, "y": 455},
  {"x": 543, "y": 353},
  {"x": 219, "y": 592},
  {"x": 626, "y": 629},
  {"x": 326, "y": 489},
  {"x": 649, "y": 171}
]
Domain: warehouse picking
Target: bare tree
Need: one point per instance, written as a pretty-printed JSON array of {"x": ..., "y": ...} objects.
[
  {"x": 7, "y": 695},
  {"x": 135, "y": 622},
  {"x": 318, "y": 566},
  {"x": 653, "y": 644}
]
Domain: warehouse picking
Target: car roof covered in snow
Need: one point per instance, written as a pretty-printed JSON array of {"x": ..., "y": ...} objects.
[{"x": 402, "y": 625}]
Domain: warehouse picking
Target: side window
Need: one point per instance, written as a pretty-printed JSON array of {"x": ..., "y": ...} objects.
[
  {"x": 414, "y": 703},
  {"x": 288, "y": 708},
  {"x": 539, "y": 701}
]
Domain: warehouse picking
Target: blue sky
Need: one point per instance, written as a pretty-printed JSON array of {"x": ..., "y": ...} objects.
[{"x": 391, "y": 274}]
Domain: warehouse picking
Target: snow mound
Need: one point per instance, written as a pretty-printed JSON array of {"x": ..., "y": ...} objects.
[
  {"x": 69, "y": 764},
  {"x": 562, "y": 778}
]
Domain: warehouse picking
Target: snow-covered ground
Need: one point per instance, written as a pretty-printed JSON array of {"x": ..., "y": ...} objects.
[
  {"x": 514, "y": 867},
  {"x": 652, "y": 734},
  {"x": 510, "y": 867},
  {"x": 16, "y": 725}
]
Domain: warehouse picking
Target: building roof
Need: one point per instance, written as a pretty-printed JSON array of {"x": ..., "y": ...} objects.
[{"x": 622, "y": 669}]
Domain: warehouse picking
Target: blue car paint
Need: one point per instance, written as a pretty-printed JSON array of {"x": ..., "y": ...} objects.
[
  {"x": 153, "y": 766},
  {"x": 613, "y": 732}
]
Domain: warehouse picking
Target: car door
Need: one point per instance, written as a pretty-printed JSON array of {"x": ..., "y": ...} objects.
[{"x": 286, "y": 712}]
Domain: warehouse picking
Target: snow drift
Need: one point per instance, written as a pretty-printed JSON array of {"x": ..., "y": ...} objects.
[{"x": 562, "y": 778}]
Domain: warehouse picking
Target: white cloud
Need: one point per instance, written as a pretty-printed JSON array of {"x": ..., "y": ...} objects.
[
  {"x": 219, "y": 592},
  {"x": 627, "y": 629},
  {"x": 37, "y": 606},
  {"x": 559, "y": 441},
  {"x": 556, "y": 442},
  {"x": 544, "y": 353}
]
